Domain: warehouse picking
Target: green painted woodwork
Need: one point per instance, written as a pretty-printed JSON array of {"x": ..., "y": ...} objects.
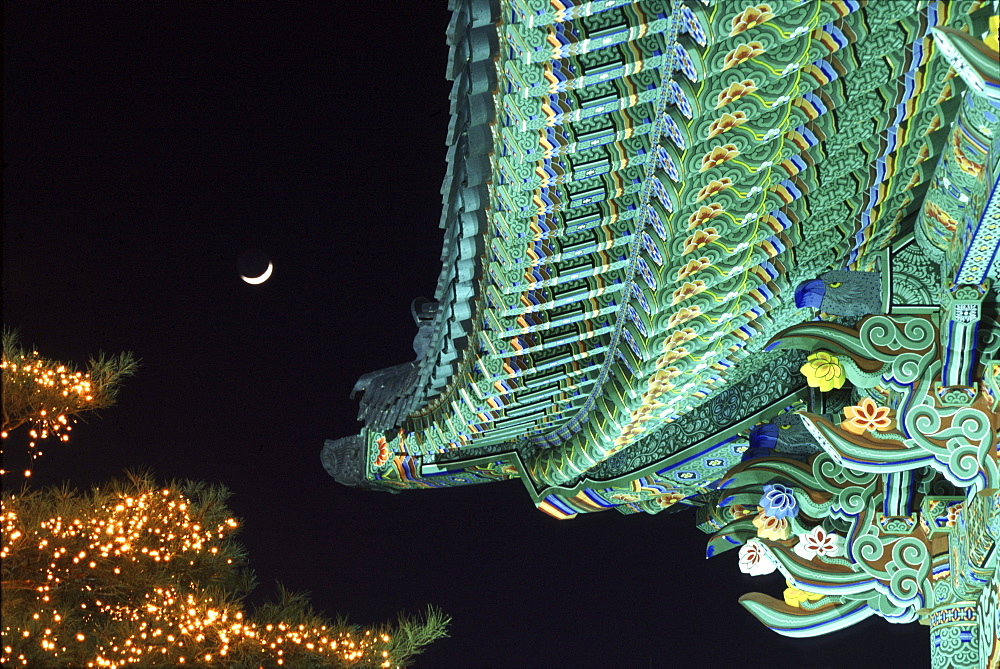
[{"x": 635, "y": 192}]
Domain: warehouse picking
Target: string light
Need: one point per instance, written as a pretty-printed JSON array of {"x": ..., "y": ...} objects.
[
  {"x": 50, "y": 393},
  {"x": 170, "y": 554}
]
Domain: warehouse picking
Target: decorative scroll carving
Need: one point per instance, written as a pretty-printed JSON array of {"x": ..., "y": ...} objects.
[{"x": 870, "y": 489}]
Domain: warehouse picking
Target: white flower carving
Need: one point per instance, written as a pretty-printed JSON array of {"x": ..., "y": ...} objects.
[
  {"x": 819, "y": 542},
  {"x": 754, "y": 559}
]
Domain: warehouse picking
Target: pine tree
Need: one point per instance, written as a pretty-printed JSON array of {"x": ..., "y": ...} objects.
[
  {"x": 140, "y": 573},
  {"x": 47, "y": 396}
]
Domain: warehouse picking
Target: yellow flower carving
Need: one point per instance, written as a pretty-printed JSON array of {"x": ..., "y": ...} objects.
[
  {"x": 742, "y": 54},
  {"x": 628, "y": 433},
  {"x": 824, "y": 371},
  {"x": 713, "y": 187},
  {"x": 940, "y": 215},
  {"x": 725, "y": 123},
  {"x": 692, "y": 267},
  {"x": 718, "y": 155},
  {"x": 867, "y": 416},
  {"x": 641, "y": 415},
  {"x": 795, "y": 596},
  {"x": 699, "y": 239},
  {"x": 669, "y": 499},
  {"x": 683, "y": 315},
  {"x": 666, "y": 375},
  {"x": 992, "y": 40},
  {"x": 704, "y": 213},
  {"x": 689, "y": 289},
  {"x": 751, "y": 17},
  {"x": 769, "y": 527},
  {"x": 735, "y": 91},
  {"x": 679, "y": 337},
  {"x": 659, "y": 383},
  {"x": 737, "y": 511},
  {"x": 671, "y": 356}
]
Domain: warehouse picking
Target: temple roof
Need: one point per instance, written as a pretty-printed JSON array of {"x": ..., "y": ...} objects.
[{"x": 633, "y": 192}]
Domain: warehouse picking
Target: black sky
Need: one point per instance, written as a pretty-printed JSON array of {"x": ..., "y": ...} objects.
[{"x": 146, "y": 146}]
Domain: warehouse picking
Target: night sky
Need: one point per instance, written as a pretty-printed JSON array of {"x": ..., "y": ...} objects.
[{"x": 146, "y": 146}]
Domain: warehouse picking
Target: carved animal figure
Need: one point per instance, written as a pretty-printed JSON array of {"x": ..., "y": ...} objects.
[
  {"x": 842, "y": 293},
  {"x": 784, "y": 436},
  {"x": 343, "y": 459}
]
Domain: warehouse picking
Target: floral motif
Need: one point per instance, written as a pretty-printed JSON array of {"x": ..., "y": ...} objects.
[
  {"x": 726, "y": 123},
  {"x": 683, "y": 315},
  {"x": 672, "y": 356},
  {"x": 751, "y": 17},
  {"x": 666, "y": 374},
  {"x": 953, "y": 512},
  {"x": 796, "y": 596},
  {"x": 679, "y": 337},
  {"x": 819, "y": 542},
  {"x": 704, "y": 213},
  {"x": 660, "y": 382},
  {"x": 641, "y": 415},
  {"x": 692, "y": 267},
  {"x": 754, "y": 559},
  {"x": 737, "y": 511},
  {"x": 689, "y": 289},
  {"x": 713, "y": 187},
  {"x": 629, "y": 432},
  {"x": 735, "y": 91},
  {"x": 941, "y": 216},
  {"x": 867, "y": 416},
  {"x": 699, "y": 239},
  {"x": 669, "y": 499},
  {"x": 964, "y": 163},
  {"x": 778, "y": 501},
  {"x": 769, "y": 527},
  {"x": 824, "y": 371},
  {"x": 992, "y": 39},
  {"x": 383, "y": 452},
  {"x": 718, "y": 155},
  {"x": 742, "y": 53}
]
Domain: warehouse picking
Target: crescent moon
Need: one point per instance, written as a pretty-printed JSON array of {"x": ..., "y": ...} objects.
[{"x": 259, "y": 279}]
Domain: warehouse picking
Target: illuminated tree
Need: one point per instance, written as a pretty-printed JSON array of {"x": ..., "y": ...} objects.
[
  {"x": 139, "y": 573},
  {"x": 47, "y": 395}
]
